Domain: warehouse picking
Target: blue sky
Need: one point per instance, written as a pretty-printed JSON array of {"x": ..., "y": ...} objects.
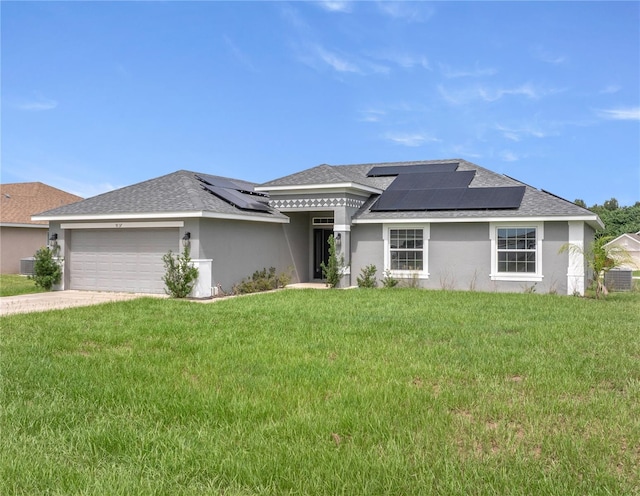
[{"x": 100, "y": 95}]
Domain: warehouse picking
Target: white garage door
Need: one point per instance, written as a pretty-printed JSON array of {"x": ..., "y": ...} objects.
[{"x": 120, "y": 259}]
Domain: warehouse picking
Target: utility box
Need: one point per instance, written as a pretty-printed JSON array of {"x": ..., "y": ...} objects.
[
  {"x": 619, "y": 280},
  {"x": 27, "y": 266}
]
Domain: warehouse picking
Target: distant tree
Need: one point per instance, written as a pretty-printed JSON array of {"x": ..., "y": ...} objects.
[
  {"x": 611, "y": 204},
  {"x": 580, "y": 203}
]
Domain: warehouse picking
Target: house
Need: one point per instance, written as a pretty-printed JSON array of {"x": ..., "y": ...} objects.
[
  {"x": 438, "y": 224},
  {"x": 20, "y": 236},
  {"x": 630, "y": 242}
]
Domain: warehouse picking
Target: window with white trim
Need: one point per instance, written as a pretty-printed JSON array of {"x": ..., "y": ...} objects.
[
  {"x": 406, "y": 249},
  {"x": 517, "y": 249},
  {"x": 516, "y": 252}
]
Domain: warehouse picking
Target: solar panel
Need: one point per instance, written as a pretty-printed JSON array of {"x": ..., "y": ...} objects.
[
  {"x": 394, "y": 170},
  {"x": 223, "y": 182},
  {"x": 433, "y": 180},
  {"x": 237, "y": 199},
  {"x": 450, "y": 199}
]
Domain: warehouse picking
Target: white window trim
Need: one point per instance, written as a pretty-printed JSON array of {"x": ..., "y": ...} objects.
[
  {"x": 426, "y": 234},
  {"x": 516, "y": 276}
]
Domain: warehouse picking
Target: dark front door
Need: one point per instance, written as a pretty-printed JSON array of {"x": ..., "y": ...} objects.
[{"x": 320, "y": 250}]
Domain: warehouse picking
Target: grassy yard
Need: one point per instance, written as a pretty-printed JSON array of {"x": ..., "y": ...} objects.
[
  {"x": 302, "y": 392},
  {"x": 14, "y": 284}
]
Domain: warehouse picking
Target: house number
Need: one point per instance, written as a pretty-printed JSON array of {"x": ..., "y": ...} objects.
[{"x": 118, "y": 225}]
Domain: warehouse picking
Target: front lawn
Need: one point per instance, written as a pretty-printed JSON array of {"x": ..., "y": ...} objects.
[
  {"x": 325, "y": 392},
  {"x": 15, "y": 284}
]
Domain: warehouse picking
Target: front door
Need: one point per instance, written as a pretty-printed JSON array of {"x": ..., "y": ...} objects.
[{"x": 320, "y": 250}]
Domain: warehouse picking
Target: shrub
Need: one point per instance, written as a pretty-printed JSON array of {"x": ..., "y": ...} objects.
[
  {"x": 262, "y": 280},
  {"x": 388, "y": 281},
  {"x": 180, "y": 275},
  {"x": 46, "y": 270},
  {"x": 332, "y": 271},
  {"x": 368, "y": 279}
]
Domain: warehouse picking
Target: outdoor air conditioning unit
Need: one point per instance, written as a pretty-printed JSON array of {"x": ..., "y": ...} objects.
[
  {"x": 619, "y": 280},
  {"x": 27, "y": 265}
]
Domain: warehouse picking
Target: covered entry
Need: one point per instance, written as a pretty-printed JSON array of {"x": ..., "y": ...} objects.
[{"x": 120, "y": 259}]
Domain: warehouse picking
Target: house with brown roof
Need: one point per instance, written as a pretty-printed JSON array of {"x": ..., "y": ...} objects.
[
  {"x": 20, "y": 236},
  {"x": 433, "y": 223}
]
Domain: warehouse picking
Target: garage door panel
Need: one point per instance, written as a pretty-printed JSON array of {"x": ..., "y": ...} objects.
[{"x": 123, "y": 260}]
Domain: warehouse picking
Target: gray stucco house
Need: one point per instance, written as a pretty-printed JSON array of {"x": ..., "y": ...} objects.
[{"x": 440, "y": 224}]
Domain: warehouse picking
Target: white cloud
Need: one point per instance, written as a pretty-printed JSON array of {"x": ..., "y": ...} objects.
[
  {"x": 491, "y": 94},
  {"x": 450, "y": 73},
  {"x": 335, "y": 6},
  {"x": 238, "y": 54},
  {"x": 411, "y": 139},
  {"x": 621, "y": 114},
  {"x": 518, "y": 133},
  {"x": 547, "y": 56},
  {"x": 336, "y": 62},
  {"x": 405, "y": 60},
  {"x": 612, "y": 88},
  {"x": 37, "y": 104},
  {"x": 407, "y": 11},
  {"x": 372, "y": 115},
  {"x": 509, "y": 156}
]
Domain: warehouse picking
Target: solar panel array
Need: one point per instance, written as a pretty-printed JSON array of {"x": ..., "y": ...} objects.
[
  {"x": 394, "y": 170},
  {"x": 240, "y": 194},
  {"x": 439, "y": 187}
]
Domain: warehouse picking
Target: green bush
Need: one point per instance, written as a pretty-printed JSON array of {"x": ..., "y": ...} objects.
[
  {"x": 332, "y": 270},
  {"x": 388, "y": 281},
  {"x": 47, "y": 271},
  {"x": 368, "y": 279},
  {"x": 262, "y": 280},
  {"x": 180, "y": 275}
]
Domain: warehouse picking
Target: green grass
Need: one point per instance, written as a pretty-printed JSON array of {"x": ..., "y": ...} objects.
[
  {"x": 325, "y": 392},
  {"x": 14, "y": 284}
]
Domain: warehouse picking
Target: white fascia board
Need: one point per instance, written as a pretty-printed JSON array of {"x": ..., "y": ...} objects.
[
  {"x": 18, "y": 224},
  {"x": 622, "y": 236},
  {"x": 160, "y": 216},
  {"x": 121, "y": 225},
  {"x": 320, "y": 188},
  {"x": 441, "y": 220}
]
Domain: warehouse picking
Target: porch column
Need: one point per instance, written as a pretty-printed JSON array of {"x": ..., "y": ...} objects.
[
  {"x": 576, "y": 265},
  {"x": 342, "y": 235}
]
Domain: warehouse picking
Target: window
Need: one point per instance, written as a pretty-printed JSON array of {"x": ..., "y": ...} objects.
[
  {"x": 406, "y": 250},
  {"x": 516, "y": 252},
  {"x": 517, "y": 249}
]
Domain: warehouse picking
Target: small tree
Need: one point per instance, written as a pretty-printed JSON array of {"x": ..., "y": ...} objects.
[
  {"x": 46, "y": 270},
  {"x": 180, "y": 275},
  {"x": 368, "y": 279},
  {"x": 600, "y": 259},
  {"x": 332, "y": 271},
  {"x": 388, "y": 281}
]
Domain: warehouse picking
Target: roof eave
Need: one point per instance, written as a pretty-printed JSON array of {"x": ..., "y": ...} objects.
[
  {"x": 162, "y": 215},
  {"x": 320, "y": 187},
  {"x": 593, "y": 221}
]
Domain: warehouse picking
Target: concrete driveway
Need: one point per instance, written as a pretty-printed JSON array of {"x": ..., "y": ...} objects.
[{"x": 40, "y": 302}]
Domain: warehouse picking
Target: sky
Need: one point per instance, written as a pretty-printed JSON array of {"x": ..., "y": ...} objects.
[{"x": 100, "y": 95}]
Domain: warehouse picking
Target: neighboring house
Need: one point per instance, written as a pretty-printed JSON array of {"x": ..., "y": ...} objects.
[
  {"x": 437, "y": 224},
  {"x": 20, "y": 236},
  {"x": 630, "y": 242}
]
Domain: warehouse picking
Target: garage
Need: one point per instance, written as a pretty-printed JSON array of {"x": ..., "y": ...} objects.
[{"x": 127, "y": 260}]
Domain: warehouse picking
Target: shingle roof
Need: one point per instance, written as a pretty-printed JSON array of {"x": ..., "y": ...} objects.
[
  {"x": 178, "y": 192},
  {"x": 19, "y": 201},
  {"x": 535, "y": 203}
]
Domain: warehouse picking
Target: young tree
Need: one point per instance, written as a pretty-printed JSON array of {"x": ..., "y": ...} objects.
[
  {"x": 332, "y": 270},
  {"x": 600, "y": 259},
  {"x": 180, "y": 275},
  {"x": 46, "y": 269}
]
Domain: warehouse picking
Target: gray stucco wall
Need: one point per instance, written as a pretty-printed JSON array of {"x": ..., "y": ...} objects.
[
  {"x": 460, "y": 257},
  {"x": 238, "y": 249}
]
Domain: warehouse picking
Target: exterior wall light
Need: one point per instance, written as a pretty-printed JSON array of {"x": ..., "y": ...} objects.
[
  {"x": 338, "y": 239},
  {"x": 186, "y": 239},
  {"x": 53, "y": 240}
]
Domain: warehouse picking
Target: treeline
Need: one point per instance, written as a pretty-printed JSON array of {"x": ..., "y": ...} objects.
[{"x": 617, "y": 220}]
